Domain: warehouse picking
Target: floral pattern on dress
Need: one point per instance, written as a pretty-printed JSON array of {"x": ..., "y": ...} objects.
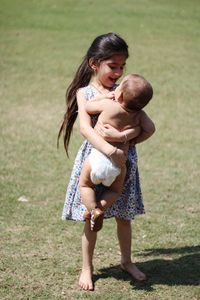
[{"x": 129, "y": 204}]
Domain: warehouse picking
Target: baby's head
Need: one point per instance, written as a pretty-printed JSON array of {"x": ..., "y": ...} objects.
[{"x": 134, "y": 92}]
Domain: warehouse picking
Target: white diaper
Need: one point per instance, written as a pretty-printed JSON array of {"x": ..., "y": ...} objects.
[{"x": 103, "y": 170}]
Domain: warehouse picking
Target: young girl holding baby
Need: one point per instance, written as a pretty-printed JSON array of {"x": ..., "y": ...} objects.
[{"x": 98, "y": 73}]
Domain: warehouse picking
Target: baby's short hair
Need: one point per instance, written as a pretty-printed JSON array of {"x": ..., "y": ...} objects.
[{"x": 137, "y": 92}]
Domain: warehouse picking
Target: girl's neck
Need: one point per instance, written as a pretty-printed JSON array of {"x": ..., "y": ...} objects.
[{"x": 98, "y": 86}]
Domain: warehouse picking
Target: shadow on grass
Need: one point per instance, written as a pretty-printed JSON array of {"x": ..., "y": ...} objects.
[{"x": 184, "y": 270}]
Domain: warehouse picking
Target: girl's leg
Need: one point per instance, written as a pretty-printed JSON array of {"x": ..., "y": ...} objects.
[
  {"x": 124, "y": 234},
  {"x": 88, "y": 244}
]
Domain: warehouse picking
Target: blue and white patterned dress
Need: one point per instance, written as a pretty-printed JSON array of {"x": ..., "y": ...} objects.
[{"x": 130, "y": 202}]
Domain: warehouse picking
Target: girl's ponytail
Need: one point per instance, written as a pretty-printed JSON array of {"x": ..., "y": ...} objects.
[{"x": 81, "y": 79}]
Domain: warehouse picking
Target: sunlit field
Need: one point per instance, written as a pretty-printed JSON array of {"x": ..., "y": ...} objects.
[{"x": 41, "y": 45}]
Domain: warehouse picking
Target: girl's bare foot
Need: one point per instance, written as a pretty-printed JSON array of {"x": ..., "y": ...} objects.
[
  {"x": 85, "y": 280},
  {"x": 133, "y": 271}
]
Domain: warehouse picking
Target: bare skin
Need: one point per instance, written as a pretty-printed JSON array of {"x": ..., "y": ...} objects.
[
  {"x": 88, "y": 244},
  {"x": 108, "y": 197},
  {"x": 124, "y": 237},
  {"x": 133, "y": 271}
]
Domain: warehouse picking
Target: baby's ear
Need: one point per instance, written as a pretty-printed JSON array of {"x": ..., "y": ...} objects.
[{"x": 119, "y": 95}]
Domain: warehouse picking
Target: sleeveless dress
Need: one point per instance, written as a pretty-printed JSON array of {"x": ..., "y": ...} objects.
[{"x": 130, "y": 202}]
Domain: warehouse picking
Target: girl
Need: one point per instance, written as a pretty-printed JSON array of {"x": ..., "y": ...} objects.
[{"x": 98, "y": 73}]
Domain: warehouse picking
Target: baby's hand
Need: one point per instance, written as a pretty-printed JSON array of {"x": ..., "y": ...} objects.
[{"x": 110, "y": 95}]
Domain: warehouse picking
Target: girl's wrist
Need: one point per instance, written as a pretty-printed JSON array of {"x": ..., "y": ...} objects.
[
  {"x": 112, "y": 151},
  {"x": 125, "y": 138}
]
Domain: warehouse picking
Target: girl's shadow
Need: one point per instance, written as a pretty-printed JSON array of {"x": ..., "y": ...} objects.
[{"x": 184, "y": 270}]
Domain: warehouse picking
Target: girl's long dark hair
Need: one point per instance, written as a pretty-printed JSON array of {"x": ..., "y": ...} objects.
[{"x": 102, "y": 48}]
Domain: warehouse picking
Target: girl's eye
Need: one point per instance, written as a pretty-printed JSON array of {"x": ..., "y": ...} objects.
[{"x": 116, "y": 67}]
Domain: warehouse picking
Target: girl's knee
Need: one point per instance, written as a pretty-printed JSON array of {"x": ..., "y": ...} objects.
[{"x": 121, "y": 222}]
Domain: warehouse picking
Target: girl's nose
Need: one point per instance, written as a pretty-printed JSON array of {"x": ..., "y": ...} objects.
[{"x": 118, "y": 72}]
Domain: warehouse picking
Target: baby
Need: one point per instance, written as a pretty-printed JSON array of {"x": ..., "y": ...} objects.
[{"x": 124, "y": 114}]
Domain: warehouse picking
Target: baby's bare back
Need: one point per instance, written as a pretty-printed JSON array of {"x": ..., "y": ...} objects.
[{"x": 118, "y": 117}]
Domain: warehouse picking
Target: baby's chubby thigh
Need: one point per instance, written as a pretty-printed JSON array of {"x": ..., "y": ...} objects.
[
  {"x": 85, "y": 175},
  {"x": 117, "y": 185}
]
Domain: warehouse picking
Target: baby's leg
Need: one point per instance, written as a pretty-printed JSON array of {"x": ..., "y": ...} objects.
[
  {"x": 112, "y": 194},
  {"x": 88, "y": 197},
  {"x": 87, "y": 192}
]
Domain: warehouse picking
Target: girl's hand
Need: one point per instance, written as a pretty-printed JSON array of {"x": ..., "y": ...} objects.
[
  {"x": 108, "y": 132},
  {"x": 119, "y": 157}
]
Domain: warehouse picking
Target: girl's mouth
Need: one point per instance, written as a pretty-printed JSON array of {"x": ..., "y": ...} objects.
[{"x": 113, "y": 80}]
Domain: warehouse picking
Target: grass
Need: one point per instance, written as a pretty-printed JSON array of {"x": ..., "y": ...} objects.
[{"x": 42, "y": 43}]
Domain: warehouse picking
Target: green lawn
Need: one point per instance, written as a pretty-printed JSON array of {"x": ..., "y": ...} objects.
[{"x": 41, "y": 44}]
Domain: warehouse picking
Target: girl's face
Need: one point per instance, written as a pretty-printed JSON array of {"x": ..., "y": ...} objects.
[{"x": 110, "y": 70}]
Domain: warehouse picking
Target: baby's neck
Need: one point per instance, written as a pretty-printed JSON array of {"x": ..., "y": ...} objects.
[{"x": 127, "y": 109}]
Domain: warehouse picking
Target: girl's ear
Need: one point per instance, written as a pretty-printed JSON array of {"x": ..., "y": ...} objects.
[{"x": 93, "y": 64}]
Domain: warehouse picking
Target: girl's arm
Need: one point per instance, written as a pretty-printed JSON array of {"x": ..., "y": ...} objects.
[
  {"x": 147, "y": 129},
  {"x": 117, "y": 155}
]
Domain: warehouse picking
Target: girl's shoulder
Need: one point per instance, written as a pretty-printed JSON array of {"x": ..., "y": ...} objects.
[{"x": 88, "y": 92}]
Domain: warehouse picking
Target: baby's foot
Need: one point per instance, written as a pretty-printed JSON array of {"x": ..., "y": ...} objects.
[
  {"x": 133, "y": 271},
  {"x": 87, "y": 215},
  {"x": 85, "y": 280},
  {"x": 96, "y": 221}
]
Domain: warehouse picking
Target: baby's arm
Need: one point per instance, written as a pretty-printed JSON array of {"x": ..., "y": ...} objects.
[
  {"x": 147, "y": 128},
  {"x": 109, "y": 95},
  {"x": 92, "y": 136},
  {"x": 96, "y": 107}
]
